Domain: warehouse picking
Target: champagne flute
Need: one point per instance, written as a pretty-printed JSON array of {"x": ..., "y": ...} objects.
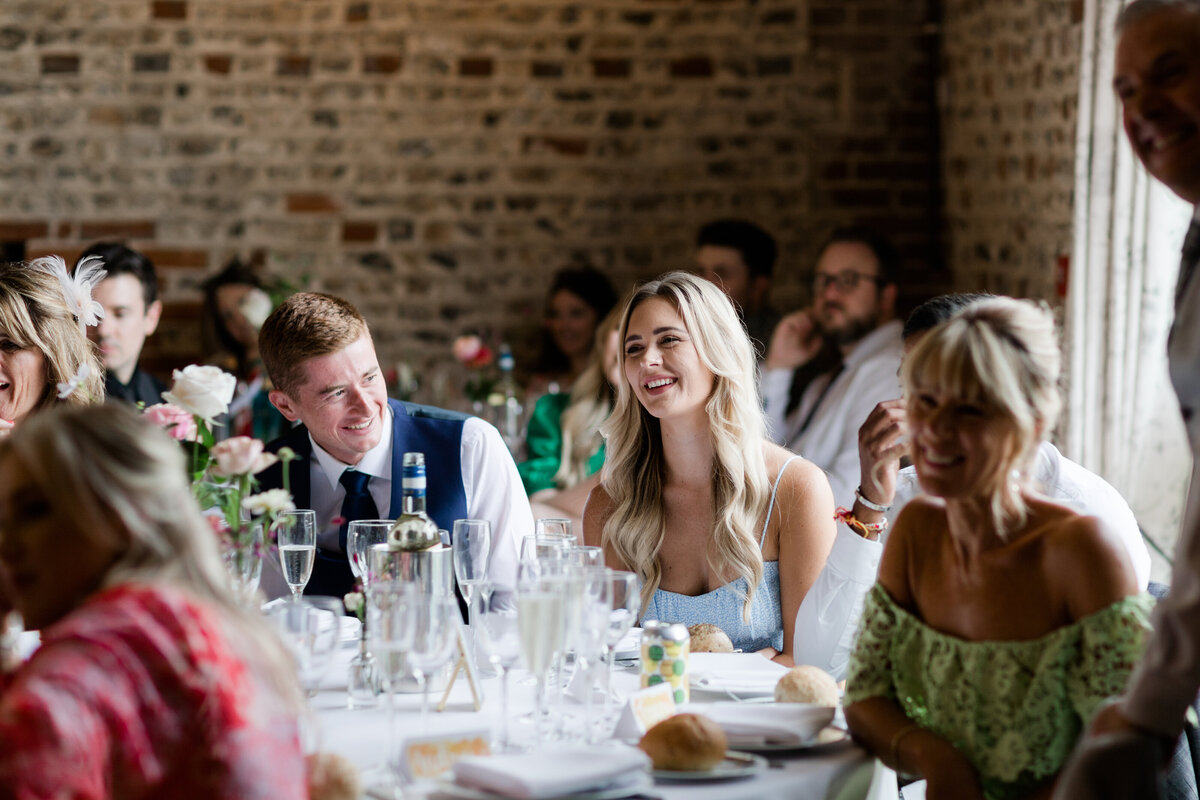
[
  {"x": 540, "y": 623},
  {"x": 393, "y": 630},
  {"x": 498, "y": 638},
  {"x": 472, "y": 544},
  {"x": 437, "y": 625},
  {"x": 626, "y": 601},
  {"x": 590, "y": 642},
  {"x": 297, "y": 533}
]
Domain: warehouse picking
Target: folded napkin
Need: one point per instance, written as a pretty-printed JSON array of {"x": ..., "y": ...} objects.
[
  {"x": 751, "y": 724},
  {"x": 747, "y": 674},
  {"x": 553, "y": 772}
]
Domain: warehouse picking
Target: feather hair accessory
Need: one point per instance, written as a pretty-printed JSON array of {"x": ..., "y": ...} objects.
[{"x": 77, "y": 288}]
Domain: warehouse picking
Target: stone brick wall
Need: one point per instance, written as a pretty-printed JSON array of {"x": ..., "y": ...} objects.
[
  {"x": 1008, "y": 106},
  {"x": 436, "y": 160}
]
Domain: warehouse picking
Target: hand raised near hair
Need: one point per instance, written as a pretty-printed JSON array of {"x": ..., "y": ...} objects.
[
  {"x": 882, "y": 441},
  {"x": 794, "y": 342}
]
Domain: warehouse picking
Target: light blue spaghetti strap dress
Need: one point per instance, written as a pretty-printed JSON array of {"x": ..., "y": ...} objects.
[{"x": 723, "y": 605}]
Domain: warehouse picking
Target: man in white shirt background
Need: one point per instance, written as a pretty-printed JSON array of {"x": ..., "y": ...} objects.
[{"x": 829, "y": 364}]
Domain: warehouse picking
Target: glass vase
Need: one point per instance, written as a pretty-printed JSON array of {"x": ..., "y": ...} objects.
[
  {"x": 363, "y": 679},
  {"x": 243, "y": 559}
]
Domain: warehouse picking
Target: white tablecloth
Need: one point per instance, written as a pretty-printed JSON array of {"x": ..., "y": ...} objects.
[{"x": 843, "y": 772}]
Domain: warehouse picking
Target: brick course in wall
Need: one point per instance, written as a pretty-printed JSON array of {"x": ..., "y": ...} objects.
[
  {"x": 436, "y": 161},
  {"x": 1010, "y": 89}
]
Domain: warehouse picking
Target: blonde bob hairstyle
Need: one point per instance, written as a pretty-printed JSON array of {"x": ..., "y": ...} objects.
[
  {"x": 1002, "y": 355},
  {"x": 634, "y": 473},
  {"x": 34, "y": 313},
  {"x": 107, "y": 462},
  {"x": 591, "y": 403}
]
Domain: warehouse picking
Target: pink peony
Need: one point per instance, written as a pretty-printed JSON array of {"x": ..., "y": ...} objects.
[
  {"x": 472, "y": 352},
  {"x": 241, "y": 455},
  {"x": 174, "y": 420}
]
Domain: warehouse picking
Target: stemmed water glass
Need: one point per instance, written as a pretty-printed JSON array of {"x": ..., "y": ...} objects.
[
  {"x": 310, "y": 627},
  {"x": 472, "y": 544},
  {"x": 393, "y": 618},
  {"x": 297, "y": 532},
  {"x": 361, "y": 534},
  {"x": 498, "y": 638},
  {"x": 540, "y": 622},
  {"x": 436, "y": 633},
  {"x": 589, "y": 557},
  {"x": 554, "y": 528},
  {"x": 591, "y": 637},
  {"x": 363, "y": 681},
  {"x": 625, "y": 591}
]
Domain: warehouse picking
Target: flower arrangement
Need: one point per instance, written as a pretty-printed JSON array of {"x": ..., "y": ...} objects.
[
  {"x": 222, "y": 473},
  {"x": 472, "y": 353}
]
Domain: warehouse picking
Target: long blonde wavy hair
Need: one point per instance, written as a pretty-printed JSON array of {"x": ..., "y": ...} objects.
[
  {"x": 591, "y": 403},
  {"x": 635, "y": 472},
  {"x": 1003, "y": 355}
]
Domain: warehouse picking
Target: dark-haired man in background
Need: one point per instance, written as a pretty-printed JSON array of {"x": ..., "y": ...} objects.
[
  {"x": 739, "y": 256},
  {"x": 129, "y": 295},
  {"x": 829, "y": 364}
]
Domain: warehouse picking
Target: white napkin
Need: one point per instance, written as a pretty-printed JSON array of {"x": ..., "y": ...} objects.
[
  {"x": 751, "y": 724},
  {"x": 553, "y": 772},
  {"x": 744, "y": 674}
]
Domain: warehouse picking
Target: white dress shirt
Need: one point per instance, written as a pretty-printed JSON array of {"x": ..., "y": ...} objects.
[
  {"x": 830, "y": 620},
  {"x": 870, "y": 374},
  {"x": 491, "y": 485}
]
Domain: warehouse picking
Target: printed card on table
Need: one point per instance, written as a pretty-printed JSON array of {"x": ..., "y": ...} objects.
[
  {"x": 432, "y": 756},
  {"x": 645, "y": 709}
]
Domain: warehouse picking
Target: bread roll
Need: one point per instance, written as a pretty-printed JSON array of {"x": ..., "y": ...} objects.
[
  {"x": 807, "y": 684},
  {"x": 708, "y": 638},
  {"x": 685, "y": 742}
]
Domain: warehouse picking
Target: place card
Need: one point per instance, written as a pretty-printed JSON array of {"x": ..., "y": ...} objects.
[
  {"x": 432, "y": 756},
  {"x": 645, "y": 709}
]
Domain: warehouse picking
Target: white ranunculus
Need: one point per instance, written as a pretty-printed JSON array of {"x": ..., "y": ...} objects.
[
  {"x": 272, "y": 501},
  {"x": 203, "y": 391}
]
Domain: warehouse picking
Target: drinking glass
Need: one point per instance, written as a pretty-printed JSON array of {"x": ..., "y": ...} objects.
[
  {"x": 297, "y": 534},
  {"x": 311, "y": 628},
  {"x": 566, "y": 579},
  {"x": 498, "y": 639},
  {"x": 360, "y": 535},
  {"x": 436, "y": 632},
  {"x": 590, "y": 640},
  {"x": 472, "y": 544},
  {"x": 589, "y": 557},
  {"x": 626, "y": 601},
  {"x": 544, "y": 548},
  {"x": 554, "y": 528},
  {"x": 393, "y": 617},
  {"x": 540, "y": 623}
]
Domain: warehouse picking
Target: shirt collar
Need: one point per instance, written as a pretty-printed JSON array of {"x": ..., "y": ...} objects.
[
  {"x": 885, "y": 337},
  {"x": 376, "y": 462}
]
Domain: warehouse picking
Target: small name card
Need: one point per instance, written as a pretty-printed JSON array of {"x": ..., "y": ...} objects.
[
  {"x": 431, "y": 756},
  {"x": 645, "y": 709}
]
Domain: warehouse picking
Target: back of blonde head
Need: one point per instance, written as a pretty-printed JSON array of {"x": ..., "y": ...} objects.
[
  {"x": 1003, "y": 355},
  {"x": 635, "y": 471}
]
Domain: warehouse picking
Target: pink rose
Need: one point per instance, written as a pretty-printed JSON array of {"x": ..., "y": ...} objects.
[
  {"x": 174, "y": 420},
  {"x": 241, "y": 455},
  {"x": 472, "y": 352}
]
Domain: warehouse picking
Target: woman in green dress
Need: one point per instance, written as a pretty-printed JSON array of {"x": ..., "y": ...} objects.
[{"x": 1000, "y": 620}]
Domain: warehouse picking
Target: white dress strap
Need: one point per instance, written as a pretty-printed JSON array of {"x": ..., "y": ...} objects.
[{"x": 774, "y": 490}]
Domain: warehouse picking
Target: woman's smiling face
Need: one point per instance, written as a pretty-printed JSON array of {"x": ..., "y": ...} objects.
[
  {"x": 958, "y": 445},
  {"x": 661, "y": 362},
  {"x": 22, "y": 379}
]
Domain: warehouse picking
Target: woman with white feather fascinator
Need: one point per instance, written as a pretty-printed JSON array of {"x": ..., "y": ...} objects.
[{"x": 45, "y": 355}]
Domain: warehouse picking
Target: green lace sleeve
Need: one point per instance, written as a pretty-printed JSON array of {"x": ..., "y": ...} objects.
[
  {"x": 870, "y": 673},
  {"x": 1112, "y": 642}
]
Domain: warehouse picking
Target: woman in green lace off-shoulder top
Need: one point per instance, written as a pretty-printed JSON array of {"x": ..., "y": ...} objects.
[{"x": 1000, "y": 620}]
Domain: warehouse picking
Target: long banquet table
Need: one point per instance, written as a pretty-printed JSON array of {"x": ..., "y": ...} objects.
[{"x": 838, "y": 772}]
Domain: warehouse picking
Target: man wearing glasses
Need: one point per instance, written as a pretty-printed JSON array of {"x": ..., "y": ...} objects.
[{"x": 829, "y": 364}]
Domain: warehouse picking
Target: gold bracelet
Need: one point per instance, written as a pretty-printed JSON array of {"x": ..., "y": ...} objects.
[{"x": 894, "y": 748}]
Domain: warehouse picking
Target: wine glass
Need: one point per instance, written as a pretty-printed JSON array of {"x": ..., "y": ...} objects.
[
  {"x": 361, "y": 534},
  {"x": 311, "y": 629},
  {"x": 566, "y": 579},
  {"x": 498, "y": 638},
  {"x": 626, "y": 601},
  {"x": 297, "y": 534},
  {"x": 392, "y": 624},
  {"x": 472, "y": 544},
  {"x": 554, "y": 528},
  {"x": 436, "y": 633},
  {"x": 589, "y": 557},
  {"x": 543, "y": 548},
  {"x": 590, "y": 640},
  {"x": 540, "y": 623}
]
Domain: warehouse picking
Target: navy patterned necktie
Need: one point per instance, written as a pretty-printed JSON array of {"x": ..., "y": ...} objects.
[{"x": 358, "y": 503}]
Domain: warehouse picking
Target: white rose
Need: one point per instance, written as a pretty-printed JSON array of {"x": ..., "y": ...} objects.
[
  {"x": 353, "y": 602},
  {"x": 272, "y": 501},
  {"x": 203, "y": 391}
]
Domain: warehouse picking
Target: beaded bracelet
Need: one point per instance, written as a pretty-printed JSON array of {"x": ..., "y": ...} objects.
[
  {"x": 894, "y": 749},
  {"x": 867, "y": 530},
  {"x": 869, "y": 503}
]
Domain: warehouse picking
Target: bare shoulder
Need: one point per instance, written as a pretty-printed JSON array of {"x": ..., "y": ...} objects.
[
  {"x": 800, "y": 478},
  {"x": 595, "y": 513},
  {"x": 1083, "y": 557},
  {"x": 909, "y": 544}
]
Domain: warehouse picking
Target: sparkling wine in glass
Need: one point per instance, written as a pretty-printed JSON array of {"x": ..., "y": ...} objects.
[
  {"x": 540, "y": 623},
  {"x": 297, "y": 547}
]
